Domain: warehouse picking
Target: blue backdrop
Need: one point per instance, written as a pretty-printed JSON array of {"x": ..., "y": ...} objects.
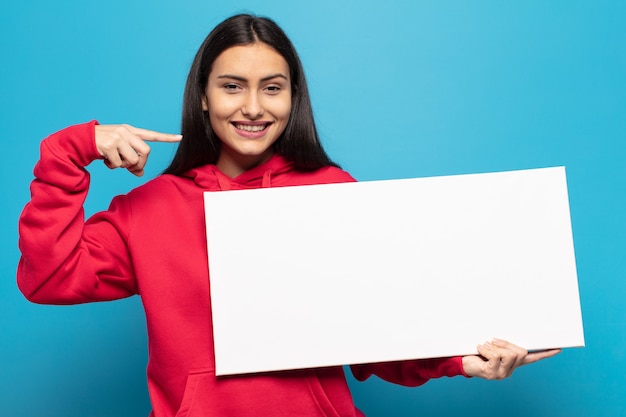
[{"x": 400, "y": 89}]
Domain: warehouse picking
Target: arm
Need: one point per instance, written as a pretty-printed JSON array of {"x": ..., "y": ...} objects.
[
  {"x": 65, "y": 260},
  {"x": 410, "y": 373},
  {"x": 496, "y": 360}
]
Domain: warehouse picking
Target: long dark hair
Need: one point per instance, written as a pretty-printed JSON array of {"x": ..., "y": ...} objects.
[{"x": 299, "y": 143}]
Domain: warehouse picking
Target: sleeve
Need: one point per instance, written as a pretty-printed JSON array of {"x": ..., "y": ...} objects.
[
  {"x": 411, "y": 373},
  {"x": 65, "y": 260}
]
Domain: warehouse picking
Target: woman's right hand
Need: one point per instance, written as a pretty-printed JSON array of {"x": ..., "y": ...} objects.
[{"x": 124, "y": 146}]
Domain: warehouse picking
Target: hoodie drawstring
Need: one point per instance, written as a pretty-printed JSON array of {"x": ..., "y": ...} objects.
[
  {"x": 267, "y": 179},
  {"x": 223, "y": 182}
]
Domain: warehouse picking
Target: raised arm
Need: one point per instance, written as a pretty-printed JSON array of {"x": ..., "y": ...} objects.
[{"x": 65, "y": 260}]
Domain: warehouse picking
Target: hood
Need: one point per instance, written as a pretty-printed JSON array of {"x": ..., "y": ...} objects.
[{"x": 209, "y": 177}]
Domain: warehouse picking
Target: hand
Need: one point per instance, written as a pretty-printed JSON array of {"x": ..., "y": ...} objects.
[
  {"x": 124, "y": 146},
  {"x": 499, "y": 358}
]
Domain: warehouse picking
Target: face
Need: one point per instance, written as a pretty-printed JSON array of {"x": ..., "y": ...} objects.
[{"x": 248, "y": 98}]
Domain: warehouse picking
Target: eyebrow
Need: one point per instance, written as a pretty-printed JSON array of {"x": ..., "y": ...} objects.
[{"x": 239, "y": 78}]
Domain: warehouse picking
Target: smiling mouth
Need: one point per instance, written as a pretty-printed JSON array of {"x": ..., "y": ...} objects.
[{"x": 251, "y": 128}]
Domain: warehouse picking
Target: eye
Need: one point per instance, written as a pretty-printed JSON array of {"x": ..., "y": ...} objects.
[
  {"x": 231, "y": 88},
  {"x": 273, "y": 89}
]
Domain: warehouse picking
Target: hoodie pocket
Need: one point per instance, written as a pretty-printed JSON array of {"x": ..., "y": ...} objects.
[
  {"x": 285, "y": 394},
  {"x": 194, "y": 380}
]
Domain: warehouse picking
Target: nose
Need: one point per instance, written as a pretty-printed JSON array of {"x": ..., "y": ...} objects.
[{"x": 253, "y": 107}]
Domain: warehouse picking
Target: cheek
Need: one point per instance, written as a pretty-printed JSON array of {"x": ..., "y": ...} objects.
[
  {"x": 218, "y": 121},
  {"x": 220, "y": 106},
  {"x": 283, "y": 110}
]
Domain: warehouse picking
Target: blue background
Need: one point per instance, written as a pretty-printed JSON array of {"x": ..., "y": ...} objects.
[{"x": 400, "y": 89}]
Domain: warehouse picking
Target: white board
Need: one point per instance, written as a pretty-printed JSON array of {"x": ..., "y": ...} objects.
[{"x": 336, "y": 274}]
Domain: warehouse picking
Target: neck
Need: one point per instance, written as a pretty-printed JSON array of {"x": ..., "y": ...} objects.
[{"x": 233, "y": 166}]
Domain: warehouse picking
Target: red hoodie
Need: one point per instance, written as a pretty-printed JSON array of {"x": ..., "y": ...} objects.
[{"x": 152, "y": 242}]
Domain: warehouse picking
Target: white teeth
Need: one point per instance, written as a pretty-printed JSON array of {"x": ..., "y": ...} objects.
[{"x": 250, "y": 128}]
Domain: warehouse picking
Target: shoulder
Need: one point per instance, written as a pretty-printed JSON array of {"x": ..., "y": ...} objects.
[
  {"x": 325, "y": 175},
  {"x": 334, "y": 174},
  {"x": 163, "y": 188}
]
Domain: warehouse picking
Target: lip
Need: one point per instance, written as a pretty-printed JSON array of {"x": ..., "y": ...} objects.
[{"x": 248, "y": 134}]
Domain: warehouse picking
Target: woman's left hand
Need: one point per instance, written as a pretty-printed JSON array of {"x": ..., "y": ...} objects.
[{"x": 499, "y": 358}]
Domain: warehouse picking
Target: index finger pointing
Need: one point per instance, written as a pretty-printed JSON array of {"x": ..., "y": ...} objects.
[{"x": 154, "y": 136}]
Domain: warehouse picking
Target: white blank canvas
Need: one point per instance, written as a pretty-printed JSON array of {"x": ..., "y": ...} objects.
[{"x": 336, "y": 274}]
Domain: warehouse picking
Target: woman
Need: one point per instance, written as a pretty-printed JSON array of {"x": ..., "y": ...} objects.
[{"x": 247, "y": 123}]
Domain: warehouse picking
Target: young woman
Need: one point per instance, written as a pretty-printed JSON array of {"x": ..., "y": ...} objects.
[{"x": 247, "y": 123}]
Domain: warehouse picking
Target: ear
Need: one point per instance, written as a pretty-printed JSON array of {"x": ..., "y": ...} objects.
[{"x": 205, "y": 103}]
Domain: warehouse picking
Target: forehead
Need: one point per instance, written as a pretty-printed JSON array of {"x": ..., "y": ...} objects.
[{"x": 250, "y": 60}]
